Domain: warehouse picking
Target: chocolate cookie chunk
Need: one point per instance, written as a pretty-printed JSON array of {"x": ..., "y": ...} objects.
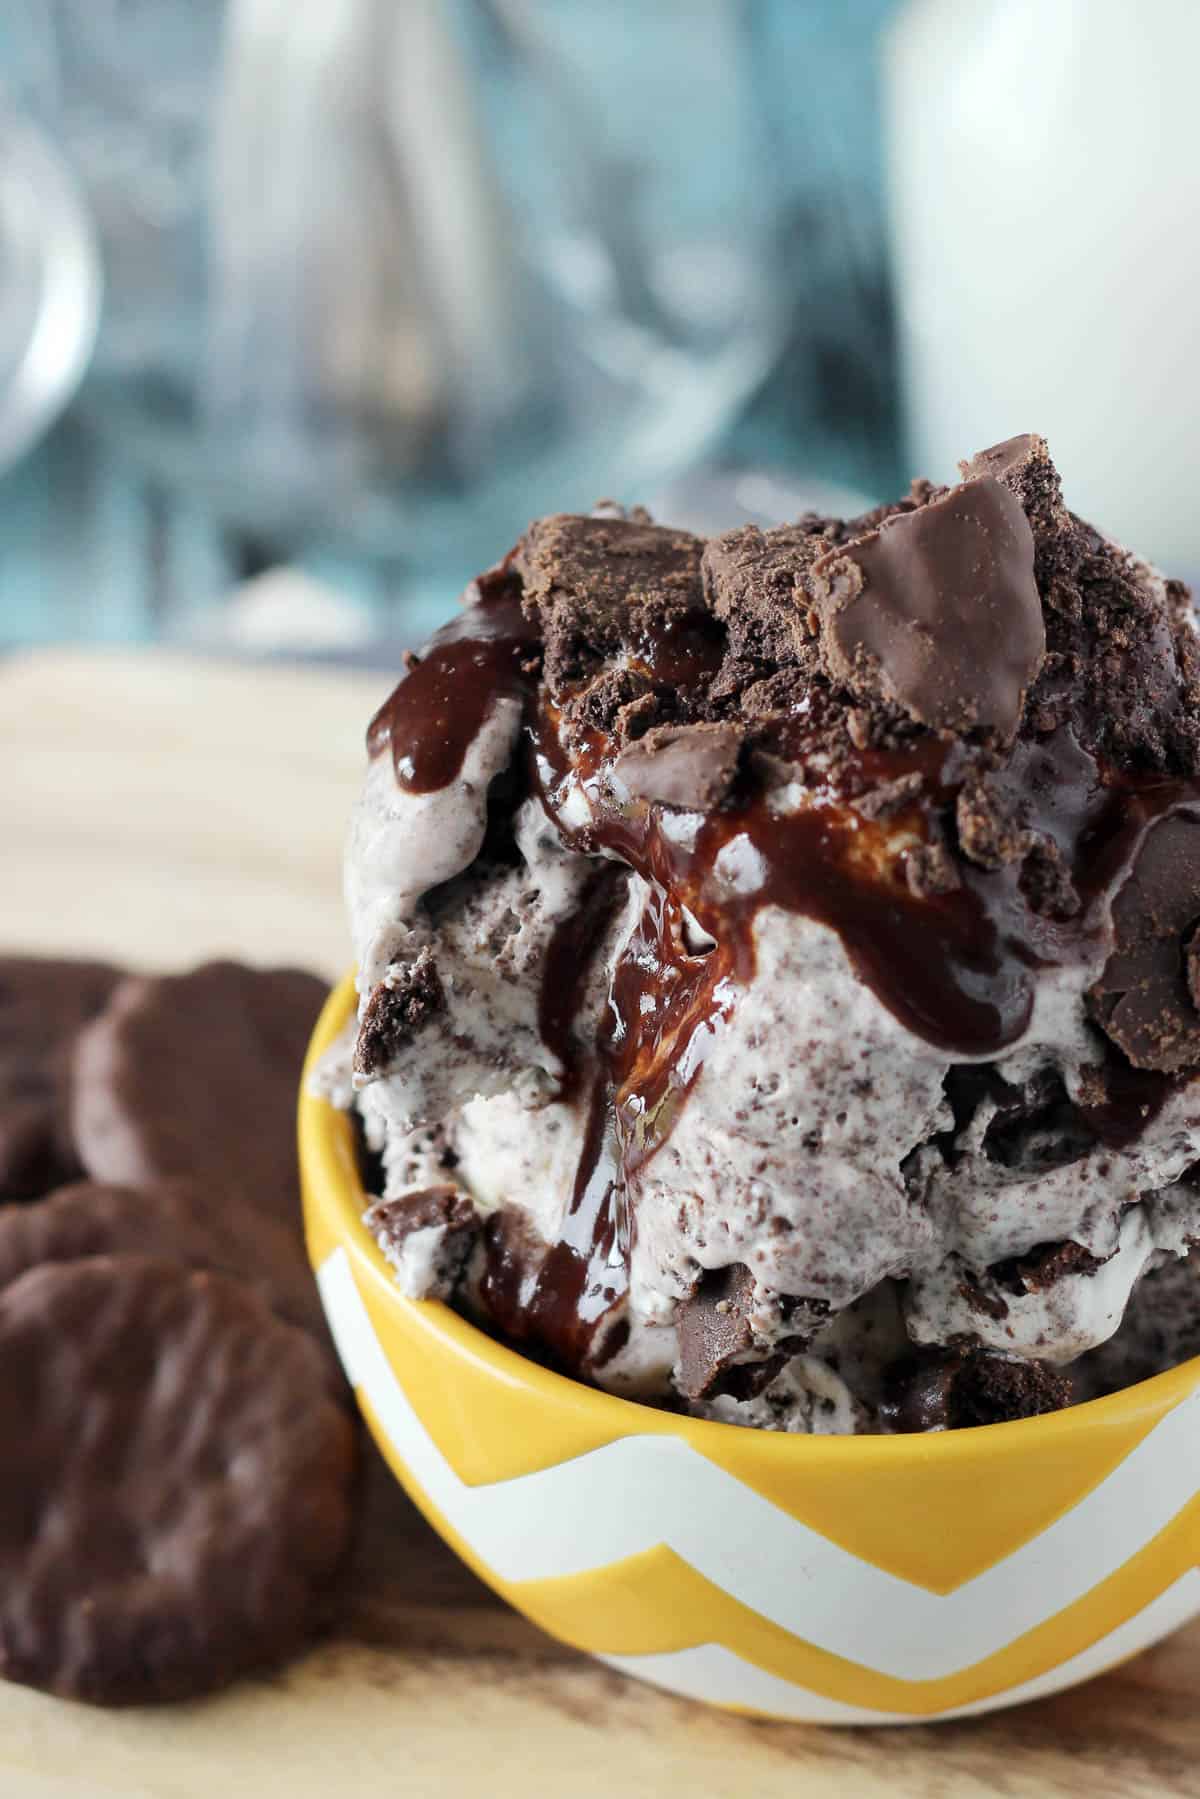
[
  {"x": 434, "y": 1229},
  {"x": 175, "y": 1220},
  {"x": 754, "y": 582},
  {"x": 43, "y": 1007},
  {"x": 177, "y": 1484},
  {"x": 1144, "y": 999},
  {"x": 403, "y": 1002},
  {"x": 953, "y": 1389},
  {"x": 718, "y": 1349},
  {"x": 595, "y": 584},
  {"x": 197, "y": 1075},
  {"x": 690, "y": 767}
]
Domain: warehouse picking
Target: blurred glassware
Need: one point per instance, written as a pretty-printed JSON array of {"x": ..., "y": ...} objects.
[
  {"x": 1045, "y": 188},
  {"x": 49, "y": 285},
  {"x": 407, "y": 273}
]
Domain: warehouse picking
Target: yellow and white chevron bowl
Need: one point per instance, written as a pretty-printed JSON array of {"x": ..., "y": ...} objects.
[{"x": 855, "y": 1580}]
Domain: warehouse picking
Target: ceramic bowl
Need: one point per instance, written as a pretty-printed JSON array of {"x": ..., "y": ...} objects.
[{"x": 855, "y": 1580}]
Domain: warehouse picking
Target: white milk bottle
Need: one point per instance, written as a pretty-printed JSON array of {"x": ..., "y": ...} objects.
[{"x": 1045, "y": 179}]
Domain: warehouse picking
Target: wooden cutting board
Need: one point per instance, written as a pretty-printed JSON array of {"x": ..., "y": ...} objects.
[{"x": 158, "y": 810}]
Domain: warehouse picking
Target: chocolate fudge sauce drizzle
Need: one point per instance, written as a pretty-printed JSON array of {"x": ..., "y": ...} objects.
[
  {"x": 562, "y": 1302},
  {"x": 435, "y": 714}
]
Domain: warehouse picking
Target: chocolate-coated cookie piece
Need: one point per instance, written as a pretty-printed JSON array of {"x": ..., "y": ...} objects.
[
  {"x": 197, "y": 1075},
  {"x": 173, "y": 1219},
  {"x": 720, "y": 1352},
  {"x": 954, "y": 1389},
  {"x": 939, "y": 611},
  {"x": 1145, "y": 998},
  {"x": 43, "y": 1007},
  {"x": 177, "y": 1485}
]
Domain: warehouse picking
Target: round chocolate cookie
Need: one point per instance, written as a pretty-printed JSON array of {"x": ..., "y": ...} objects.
[
  {"x": 197, "y": 1075},
  {"x": 175, "y": 1219},
  {"x": 177, "y": 1485},
  {"x": 43, "y": 1007}
]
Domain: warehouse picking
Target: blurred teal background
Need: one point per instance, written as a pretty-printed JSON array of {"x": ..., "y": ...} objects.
[{"x": 382, "y": 282}]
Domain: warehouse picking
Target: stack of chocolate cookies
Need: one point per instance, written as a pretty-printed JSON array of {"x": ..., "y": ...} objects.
[{"x": 178, "y": 1451}]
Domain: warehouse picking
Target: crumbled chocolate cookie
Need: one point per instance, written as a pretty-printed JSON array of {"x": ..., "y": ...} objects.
[
  {"x": 786, "y": 691},
  {"x": 690, "y": 767},
  {"x": 938, "y": 611},
  {"x": 403, "y": 1002},
  {"x": 930, "y": 871},
  {"x": 753, "y": 582},
  {"x": 1043, "y": 1267},
  {"x": 597, "y": 584},
  {"x": 991, "y": 822},
  {"x": 953, "y": 1389},
  {"x": 1122, "y": 666},
  {"x": 197, "y": 1075},
  {"x": 1143, "y": 999},
  {"x": 1046, "y": 882},
  {"x": 43, "y": 1007},
  {"x": 615, "y": 702},
  {"x": 178, "y": 1483},
  {"x": 888, "y": 798}
]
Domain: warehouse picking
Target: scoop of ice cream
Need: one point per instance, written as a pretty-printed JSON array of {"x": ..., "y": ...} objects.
[{"x": 778, "y": 967}]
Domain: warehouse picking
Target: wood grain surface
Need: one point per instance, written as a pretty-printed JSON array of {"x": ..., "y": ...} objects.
[{"x": 159, "y": 811}]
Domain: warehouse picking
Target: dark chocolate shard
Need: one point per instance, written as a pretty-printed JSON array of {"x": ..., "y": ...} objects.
[
  {"x": 690, "y": 767},
  {"x": 716, "y": 1341},
  {"x": 404, "y": 1001},
  {"x": 938, "y": 610},
  {"x": 953, "y": 1389},
  {"x": 1145, "y": 998}
]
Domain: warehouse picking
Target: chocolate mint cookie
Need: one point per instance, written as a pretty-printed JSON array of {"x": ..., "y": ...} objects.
[
  {"x": 43, "y": 1007},
  {"x": 174, "y": 1219},
  {"x": 177, "y": 1486},
  {"x": 197, "y": 1075}
]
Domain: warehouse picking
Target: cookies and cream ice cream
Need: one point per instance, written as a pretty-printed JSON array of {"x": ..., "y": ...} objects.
[{"x": 779, "y": 973}]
